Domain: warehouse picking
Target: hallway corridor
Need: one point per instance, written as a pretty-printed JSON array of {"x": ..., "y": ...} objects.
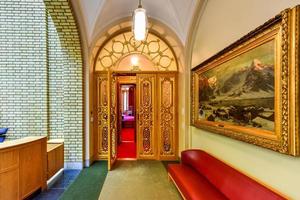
[
  {"x": 149, "y": 99},
  {"x": 127, "y": 146},
  {"x": 138, "y": 180}
]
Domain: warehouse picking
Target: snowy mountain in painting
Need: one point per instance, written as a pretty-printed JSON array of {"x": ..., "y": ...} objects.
[{"x": 254, "y": 81}]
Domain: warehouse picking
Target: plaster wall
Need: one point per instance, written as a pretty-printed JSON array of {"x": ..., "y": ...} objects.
[{"x": 222, "y": 23}]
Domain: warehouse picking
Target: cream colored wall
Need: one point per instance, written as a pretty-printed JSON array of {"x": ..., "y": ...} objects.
[{"x": 222, "y": 23}]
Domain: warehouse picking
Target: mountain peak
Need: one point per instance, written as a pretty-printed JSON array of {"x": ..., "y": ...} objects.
[{"x": 257, "y": 65}]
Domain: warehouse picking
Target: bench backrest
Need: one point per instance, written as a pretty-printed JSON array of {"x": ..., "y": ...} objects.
[{"x": 229, "y": 181}]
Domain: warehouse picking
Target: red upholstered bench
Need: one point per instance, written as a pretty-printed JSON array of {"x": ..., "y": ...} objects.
[{"x": 200, "y": 176}]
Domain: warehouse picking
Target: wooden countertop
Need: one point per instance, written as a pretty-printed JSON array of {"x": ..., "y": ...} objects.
[
  {"x": 51, "y": 146},
  {"x": 55, "y": 141},
  {"x": 18, "y": 142}
]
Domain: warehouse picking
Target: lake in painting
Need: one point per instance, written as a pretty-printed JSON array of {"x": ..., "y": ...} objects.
[{"x": 241, "y": 90}]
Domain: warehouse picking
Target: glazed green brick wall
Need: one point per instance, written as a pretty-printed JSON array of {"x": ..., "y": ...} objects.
[
  {"x": 23, "y": 72},
  {"x": 56, "y": 82},
  {"x": 71, "y": 94},
  {"x": 41, "y": 73}
]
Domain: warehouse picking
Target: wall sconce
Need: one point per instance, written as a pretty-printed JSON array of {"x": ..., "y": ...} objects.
[{"x": 135, "y": 63}]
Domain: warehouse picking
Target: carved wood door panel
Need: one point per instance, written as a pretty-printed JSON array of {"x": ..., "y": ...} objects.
[
  {"x": 156, "y": 112},
  {"x": 101, "y": 137},
  {"x": 146, "y": 137},
  {"x": 112, "y": 120},
  {"x": 167, "y": 116}
]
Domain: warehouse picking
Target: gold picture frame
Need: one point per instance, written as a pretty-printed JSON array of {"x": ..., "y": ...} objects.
[{"x": 258, "y": 101}]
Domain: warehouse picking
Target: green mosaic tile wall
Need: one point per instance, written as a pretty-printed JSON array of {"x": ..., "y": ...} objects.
[{"x": 41, "y": 73}]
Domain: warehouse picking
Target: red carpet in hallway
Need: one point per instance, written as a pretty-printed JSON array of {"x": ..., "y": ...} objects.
[
  {"x": 127, "y": 147},
  {"x": 127, "y": 134}
]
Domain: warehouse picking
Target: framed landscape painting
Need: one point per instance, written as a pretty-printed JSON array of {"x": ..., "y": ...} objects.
[{"x": 250, "y": 90}]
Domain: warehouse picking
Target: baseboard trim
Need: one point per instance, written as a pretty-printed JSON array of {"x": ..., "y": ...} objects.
[
  {"x": 88, "y": 163},
  {"x": 73, "y": 165},
  {"x": 54, "y": 178}
]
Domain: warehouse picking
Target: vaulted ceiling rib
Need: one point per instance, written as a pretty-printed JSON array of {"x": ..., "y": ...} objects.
[{"x": 98, "y": 14}]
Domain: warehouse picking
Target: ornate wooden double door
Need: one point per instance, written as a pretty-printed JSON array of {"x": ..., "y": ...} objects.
[{"x": 156, "y": 113}]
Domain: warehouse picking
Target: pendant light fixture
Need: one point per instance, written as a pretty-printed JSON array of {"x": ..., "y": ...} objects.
[{"x": 140, "y": 22}]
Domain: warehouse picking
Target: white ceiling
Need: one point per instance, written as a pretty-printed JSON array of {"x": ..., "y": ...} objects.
[{"x": 98, "y": 14}]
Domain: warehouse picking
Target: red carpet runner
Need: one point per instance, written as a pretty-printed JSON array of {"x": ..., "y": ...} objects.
[
  {"x": 127, "y": 148},
  {"x": 127, "y": 135}
]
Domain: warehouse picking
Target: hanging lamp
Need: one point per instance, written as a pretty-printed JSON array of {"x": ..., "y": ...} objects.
[{"x": 140, "y": 22}]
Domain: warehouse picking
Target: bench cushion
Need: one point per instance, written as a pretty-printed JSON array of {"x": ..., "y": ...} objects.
[
  {"x": 192, "y": 185},
  {"x": 232, "y": 183}
]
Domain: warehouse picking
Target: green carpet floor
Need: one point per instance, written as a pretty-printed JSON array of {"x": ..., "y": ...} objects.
[{"x": 88, "y": 184}]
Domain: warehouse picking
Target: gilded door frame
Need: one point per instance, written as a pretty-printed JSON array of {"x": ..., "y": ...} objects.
[
  {"x": 111, "y": 41},
  {"x": 157, "y": 156},
  {"x": 128, "y": 82}
]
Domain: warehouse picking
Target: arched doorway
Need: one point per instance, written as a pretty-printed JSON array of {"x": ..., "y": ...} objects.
[{"x": 152, "y": 68}]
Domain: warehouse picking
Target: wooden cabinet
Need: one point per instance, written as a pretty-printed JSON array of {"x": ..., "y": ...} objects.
[
  {"x": 31, "y": 169},
  {"x": 55, "y": 158},
  {"x": 23, "y": 167},
  {"x": 9, "y": 175}
]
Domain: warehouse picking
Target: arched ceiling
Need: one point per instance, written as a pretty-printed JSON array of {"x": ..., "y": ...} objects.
[{"x": 98, "y": 14}]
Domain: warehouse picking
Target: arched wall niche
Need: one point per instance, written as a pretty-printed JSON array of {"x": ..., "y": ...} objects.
[
  {"x": 182, "y": 52},
  {"x": 169, "y": 37}
]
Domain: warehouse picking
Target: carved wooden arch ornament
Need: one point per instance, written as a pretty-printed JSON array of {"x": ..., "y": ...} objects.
[{"x": 155, "y": 53}]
